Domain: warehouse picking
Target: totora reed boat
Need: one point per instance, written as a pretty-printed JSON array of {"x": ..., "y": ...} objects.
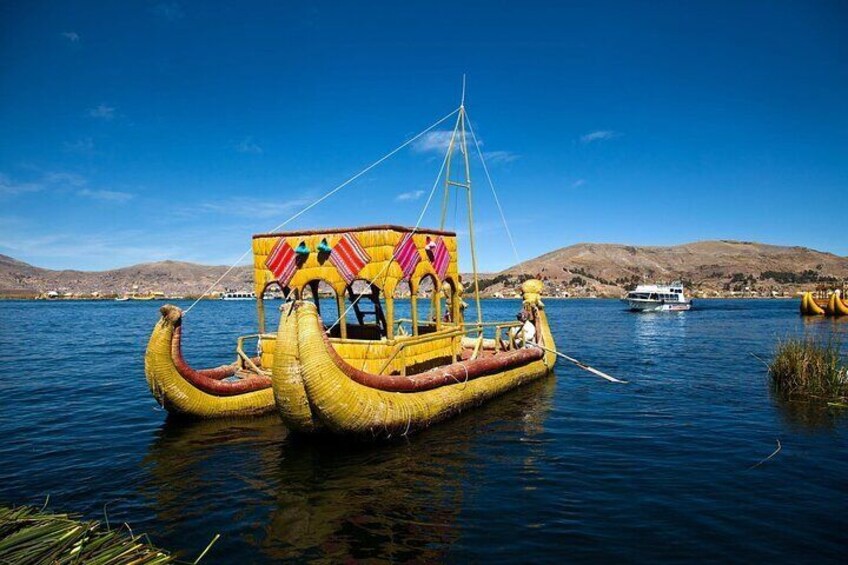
[
  {"x": 823, "y": 304},
  {"x": 372, "y": 339}
]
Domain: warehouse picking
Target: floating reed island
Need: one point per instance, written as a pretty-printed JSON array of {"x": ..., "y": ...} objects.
[
  {"x": 809, "y": 369},
  {"x": 31, "y": 535}
]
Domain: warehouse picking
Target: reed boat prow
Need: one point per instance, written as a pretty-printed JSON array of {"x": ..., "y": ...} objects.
[
  {"x": 228, "y": 390},
  {"x": 349, "y": 401},
  {"x": 289, "y": 392}
]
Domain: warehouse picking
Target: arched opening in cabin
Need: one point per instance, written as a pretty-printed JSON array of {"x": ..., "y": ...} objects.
[
  {"x": 271, "y": 291},
  {"x": 429, "y": 305},
  {"x": 320, "y": 293},
  {"x": 402, "y": 311},
  {"x": 365, "y": 317}
]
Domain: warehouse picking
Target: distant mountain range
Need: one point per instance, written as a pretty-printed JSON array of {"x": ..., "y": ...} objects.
[
  {"x": 171, "y": 277},
  {"x": 588, "y": 268},
  {"x": 708, "y": 266}
]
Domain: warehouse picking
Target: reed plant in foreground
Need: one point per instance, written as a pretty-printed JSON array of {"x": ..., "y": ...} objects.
[
  {"x": 809, "y": 368},
  {"x": 30, "y": 535}
]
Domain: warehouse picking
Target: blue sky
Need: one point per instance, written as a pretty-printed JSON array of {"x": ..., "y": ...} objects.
[{"x": 141, "y": 131}]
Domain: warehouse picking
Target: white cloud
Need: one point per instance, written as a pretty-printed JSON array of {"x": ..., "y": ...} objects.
[
  {"x": 578, "y": 183},
  {"x": 249, "y": 146},
  {"x": 253, "y": 207},
  {"x": 438, "y": 142},
  {"x": 65, "y": 179},
  {"x": 106, "y": 195},
  {"x": 169, "y": 11},
  {"x": 433, "y": 142},
  {"x": 9, "y": 187},
  {"x": 499, "y": 157},
  {"x": 84, "y": 146},
  {"x": 102, "y": 111},
  {"x": 62, "y": 183},
  {"x": 97, "y": 250},
  {"x": 71, "y": 36},
  {"x": 409, "y": 196},
  {"x": 600, "y": 135}
]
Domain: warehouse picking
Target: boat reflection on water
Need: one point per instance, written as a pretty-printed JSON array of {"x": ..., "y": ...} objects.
[
  {"x": 660, "y": 334},
  {"x": 275, "y": 495}
]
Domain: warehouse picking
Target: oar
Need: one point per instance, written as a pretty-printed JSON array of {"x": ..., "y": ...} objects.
[{"x": 583, "y": 366}]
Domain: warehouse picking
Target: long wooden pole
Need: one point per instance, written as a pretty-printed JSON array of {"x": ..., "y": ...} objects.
[
  {"x": 583, "y": 366},
  {"x": 445, "y": 197},
  {"x": 471, "y": 220}
]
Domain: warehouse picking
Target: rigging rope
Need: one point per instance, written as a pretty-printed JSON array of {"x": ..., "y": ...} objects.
[
  {"x": 318, "y": 201},
  {"x": 495, "y": 194}
]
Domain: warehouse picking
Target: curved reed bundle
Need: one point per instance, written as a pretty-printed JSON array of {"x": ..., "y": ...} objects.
[
  {"x": 182, "y": 390},
  {"x": 310, "y": 368},
  {"x": 289, "y": 392},
  {"x": 836, "y": 306},
  {"x": 809, "y": 306}
]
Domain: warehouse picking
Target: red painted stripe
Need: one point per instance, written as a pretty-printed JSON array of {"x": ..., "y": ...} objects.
[{"x": 282, "y": 260}]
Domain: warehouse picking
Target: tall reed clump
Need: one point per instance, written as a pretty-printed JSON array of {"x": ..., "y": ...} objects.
[
  {"x": 807, "y": 368},
  {"x": 30, "y": 535}
]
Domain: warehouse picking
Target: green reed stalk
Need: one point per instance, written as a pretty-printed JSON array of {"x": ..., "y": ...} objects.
[
  {"x": 809, "y": 368},
  {"x": 29, "y": 535}
]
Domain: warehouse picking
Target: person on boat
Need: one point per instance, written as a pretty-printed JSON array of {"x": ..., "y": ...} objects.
[
  {"x": 524, "y": 335},
  {"x": 451, "y": 295}
]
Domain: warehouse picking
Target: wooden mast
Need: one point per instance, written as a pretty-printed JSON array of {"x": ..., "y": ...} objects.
[{"x": 459, "y": 129}]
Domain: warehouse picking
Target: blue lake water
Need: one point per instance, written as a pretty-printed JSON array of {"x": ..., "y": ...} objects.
[{"x": 570, "y": 468}]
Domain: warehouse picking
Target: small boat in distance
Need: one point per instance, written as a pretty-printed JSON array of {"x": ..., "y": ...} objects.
[
  {"x": 230, "y": 295},
  {"x": 657, "y": 298}
]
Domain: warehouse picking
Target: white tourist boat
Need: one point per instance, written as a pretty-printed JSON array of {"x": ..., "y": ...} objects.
[
  {"x": 657, "y": 298},
  {"x": 230, "y": 295}
]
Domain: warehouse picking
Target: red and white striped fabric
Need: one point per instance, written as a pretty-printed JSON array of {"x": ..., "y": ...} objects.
[
  {"x": 349, "y": 257},
  {"x": 440, "y": 258},
  {"x": 281, "y": 262},
  {"x": 407, "y": 255}
]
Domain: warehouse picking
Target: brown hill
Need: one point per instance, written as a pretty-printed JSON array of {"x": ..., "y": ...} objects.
[
  {"x": 707, "y": 266},
  {"x": 171, "y": 277}
]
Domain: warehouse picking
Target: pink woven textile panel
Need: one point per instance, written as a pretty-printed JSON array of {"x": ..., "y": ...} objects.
[
  {"x": 407, "y": 256},
  {"x": 441, "y": 258},
  {"x": 349, "y": 257}
]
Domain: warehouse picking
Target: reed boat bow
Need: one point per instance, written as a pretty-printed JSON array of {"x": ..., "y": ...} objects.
[
  {"x": 318, "y": 389},
  {"x": 227, "y": 390}
]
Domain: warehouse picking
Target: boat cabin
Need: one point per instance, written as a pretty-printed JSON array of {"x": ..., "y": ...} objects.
[{"x": 356, "y": 277}]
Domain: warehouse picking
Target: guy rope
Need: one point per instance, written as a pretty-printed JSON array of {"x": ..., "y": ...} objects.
[{"x": 457, "y": 141}]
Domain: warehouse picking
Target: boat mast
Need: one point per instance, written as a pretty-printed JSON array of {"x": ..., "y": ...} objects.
[{"x": 466, "y": 184}]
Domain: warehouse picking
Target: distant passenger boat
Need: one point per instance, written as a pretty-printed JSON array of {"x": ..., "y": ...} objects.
[
  {"x": 657, "y": 298},
  {"x": 238, "y": 296}
]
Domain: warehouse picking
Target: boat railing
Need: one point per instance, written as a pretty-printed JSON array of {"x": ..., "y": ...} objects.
[
  {"x": 458, "y": 330},
  {"x": 500, "y": 328},
  {"x": 244, "y": 360},
  {"x": 402, "y": 343}
]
